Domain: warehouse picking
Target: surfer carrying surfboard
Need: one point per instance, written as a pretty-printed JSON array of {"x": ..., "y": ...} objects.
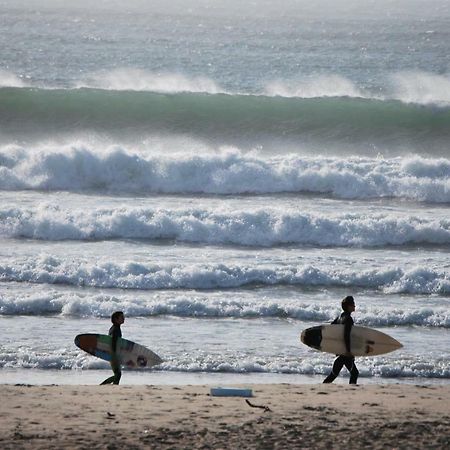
[
  {"x": 117, "y": 319},
  {"x": 347, "y": 359}
]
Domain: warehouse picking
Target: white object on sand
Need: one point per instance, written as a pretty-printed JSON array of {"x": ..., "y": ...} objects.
[{"x": 231, "y": 392}]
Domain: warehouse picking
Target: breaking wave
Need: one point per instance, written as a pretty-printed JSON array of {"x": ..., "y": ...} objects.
[
  {"x": 132, "y": 275},
  {"x": 116, "y": 170},
  {"x": 197, "y": 306},
  {"x": 267, "y": 228},
  {"x": 312, "y": 364}
]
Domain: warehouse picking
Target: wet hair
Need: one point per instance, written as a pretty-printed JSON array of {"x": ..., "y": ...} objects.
[
  {"x": 115, "y": 315},
  {"x": 349, "y": 300}
]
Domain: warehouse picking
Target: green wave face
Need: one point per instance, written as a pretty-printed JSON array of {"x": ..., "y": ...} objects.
[{"x": 27, "y": 113}]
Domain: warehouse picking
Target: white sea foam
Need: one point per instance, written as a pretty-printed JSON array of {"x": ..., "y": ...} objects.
[
  {"x": 260, "y": 227},
  {"x": 421, "y": 87},
  {"x": 319, "y": 86},
  {"x": 9, "y": 79},
  {"x": 232, "y": 362},
  {"x": 127, "y": 79},
  {"x": 202, "y": 306},
  {"x": 132, "y": 275},
  {"x": 418, "y": 87},
  {"x": 229, "y": 171}
]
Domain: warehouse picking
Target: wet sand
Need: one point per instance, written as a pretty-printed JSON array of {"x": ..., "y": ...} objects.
[{"x": 334, "y": 416}]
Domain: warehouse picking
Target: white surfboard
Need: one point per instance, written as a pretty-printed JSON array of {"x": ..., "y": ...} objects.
[{"x": 363, "y": 341}]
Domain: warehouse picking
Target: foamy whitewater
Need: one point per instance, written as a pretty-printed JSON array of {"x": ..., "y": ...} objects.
[{"x": 224, "y": 174}]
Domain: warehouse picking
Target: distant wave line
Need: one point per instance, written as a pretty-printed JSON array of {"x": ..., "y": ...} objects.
[{"x": 43, "y": 111}]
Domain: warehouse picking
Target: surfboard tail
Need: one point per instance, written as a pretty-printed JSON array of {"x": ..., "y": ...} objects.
[
  {"x": 365, "y": 341},
  {"x": 312, "y": 337}
]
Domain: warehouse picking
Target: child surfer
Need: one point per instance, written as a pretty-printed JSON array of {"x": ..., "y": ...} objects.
[{"x": 117, "y": 319}]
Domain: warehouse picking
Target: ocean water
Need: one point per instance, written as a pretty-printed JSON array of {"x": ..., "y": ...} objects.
[{"x": 224, "y": 174}]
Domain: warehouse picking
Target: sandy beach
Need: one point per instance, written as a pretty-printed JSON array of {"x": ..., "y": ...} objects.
[{"x": 297, "y": 416}]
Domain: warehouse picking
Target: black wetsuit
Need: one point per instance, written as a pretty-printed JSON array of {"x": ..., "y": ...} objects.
[
  {"x": 348, "y": 361},
  {"x": 115, "y": 332}
]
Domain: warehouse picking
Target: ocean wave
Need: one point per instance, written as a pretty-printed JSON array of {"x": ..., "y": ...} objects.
[
  {"x": 419, "y": 87},
  {"x": 197, "y": 306},
  {"x": 131, "y": 275},
  {"x": 228, "y": 171},
  {"x": 9, "y": 79},
  {"x": 382, "y": 367},
  {"x": 228, "y": 118},
  {"x": 128, "y": 79},
  {"x": 267, "y": 228},
  {"x": 309, "y": 364},
  {"x": 319, "y": 86}
]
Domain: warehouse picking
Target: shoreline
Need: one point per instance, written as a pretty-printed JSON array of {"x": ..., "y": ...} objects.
[
  {"x": 42, "y": 377},
  {"x": 151, "y": 416}
]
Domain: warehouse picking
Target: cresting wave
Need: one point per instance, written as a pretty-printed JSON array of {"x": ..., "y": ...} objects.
[
  {"x": 407, "y": 86},
  {"x": 116, "y": 170},
  {"x": 267, "y": 228},
  {"x": 29, "y": 111},
  {"x": 197, "y": 306},
  {"x": 53, "y": 270}
]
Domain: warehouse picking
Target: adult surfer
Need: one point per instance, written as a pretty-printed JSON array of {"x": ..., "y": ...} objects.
[
  {"x": 117, "y": 319},
  {"x": 347, "y": 360}
]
